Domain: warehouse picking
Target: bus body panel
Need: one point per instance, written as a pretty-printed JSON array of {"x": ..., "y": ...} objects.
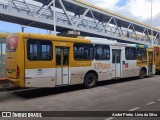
[
  {"x": 41, "y": 77},
  {"x": 60, "y": 67},
  {"x": 151, "y": 61},
  {"x": 130, "y": 69},
  {"x": 157, "y": 58},
  {"x": 11, "y": 57},
  {"x": 15, "y": 59}
]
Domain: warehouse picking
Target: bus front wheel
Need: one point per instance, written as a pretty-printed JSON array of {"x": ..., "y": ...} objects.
[
  {"x": 142, "y": 73},
  {"x": 90, "y": 80}
]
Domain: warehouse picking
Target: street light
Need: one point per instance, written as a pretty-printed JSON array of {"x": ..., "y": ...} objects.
[
  {"x": 22, "y": 28},
  {"x": 151, "y": 25}
]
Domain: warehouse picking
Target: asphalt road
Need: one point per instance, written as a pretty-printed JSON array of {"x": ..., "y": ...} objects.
[{"x": 130, "y": 94}]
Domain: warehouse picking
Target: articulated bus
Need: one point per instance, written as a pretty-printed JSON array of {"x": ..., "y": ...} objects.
[
  {"x": 34, "y": 60},
  {"x": 3, "y": 37}
]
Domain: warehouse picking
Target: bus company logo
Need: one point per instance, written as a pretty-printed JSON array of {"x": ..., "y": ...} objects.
[
  {"x": 12, "y": 43},
  {"x": 6, "y": 114},
  {"x": 101, "y": 66}
]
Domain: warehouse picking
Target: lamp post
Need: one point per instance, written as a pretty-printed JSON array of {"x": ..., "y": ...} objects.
[
  {"x": 54, "y": 16},
  {"x": 22, "y": 26},
  {"x": 151, "y": 25}
]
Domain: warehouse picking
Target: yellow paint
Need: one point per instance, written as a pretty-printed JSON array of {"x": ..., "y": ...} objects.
[
  {"x": 157, "y": 57},
  {"x": 141, "y": 46},
  {"x": 20, "y": 56},
  {"x": 142, "y": 36},
  {"x": 4, "y": 35},
  {"x": 142, "y": 63}
]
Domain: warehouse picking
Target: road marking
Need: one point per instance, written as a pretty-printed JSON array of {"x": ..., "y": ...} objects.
[
  {"x": 110, "y": 118},
  {"x": 150, "y": 103},
  {"x": 133, "y": 109},
  {"x": 136, "y": 108}
]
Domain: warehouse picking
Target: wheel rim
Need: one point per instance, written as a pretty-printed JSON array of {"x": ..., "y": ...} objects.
[
  {"x": 90, "y": 80},
  {"x": 142, "y": 74}
]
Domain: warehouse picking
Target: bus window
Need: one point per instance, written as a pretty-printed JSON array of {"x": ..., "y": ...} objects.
[
  {"x": 141, "y": 54},
  {"x": 3, "y": 48},
  {"x": 83, "y": 51},
  {"x": 46, "y": 48},
  {"x": 33, "y": 50},
  {"x": 66, "y": 56},
  {"x": 102, "y": 52},
  {"x": 39, "y": 50},
  {"x": 2, "y": 53},
  {"x": 116, "y": 56},
  {"x": 58, "y": 56},
  {"x": 130, "y": 53}
]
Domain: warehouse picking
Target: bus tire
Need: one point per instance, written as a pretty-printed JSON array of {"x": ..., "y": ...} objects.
[
  {"x": 142, "y": 73},
  {"x": 90, "y": 80}
]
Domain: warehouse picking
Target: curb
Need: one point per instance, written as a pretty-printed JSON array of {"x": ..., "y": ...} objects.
[
  {"x": 3, "y": 79},
  {"x": 4, "y": 83}
]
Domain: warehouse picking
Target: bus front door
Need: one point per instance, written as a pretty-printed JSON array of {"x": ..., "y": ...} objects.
[
  {"x": 116, "y": 63},
  {"x": 62, "y": 66},
  {"x": 150, "y": 62}
]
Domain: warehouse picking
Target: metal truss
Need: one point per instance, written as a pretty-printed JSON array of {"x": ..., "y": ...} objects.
[{"x": 63, "y": 15}]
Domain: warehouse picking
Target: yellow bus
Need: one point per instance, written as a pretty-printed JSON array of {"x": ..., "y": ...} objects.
[
  {"x": 157, "y": 58},
  {"x": 3, "y": 37},
  {"x": 35, "y": 60}
]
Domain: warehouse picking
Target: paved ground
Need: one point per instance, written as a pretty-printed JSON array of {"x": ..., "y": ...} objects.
[{"x": 126, "y": 95}]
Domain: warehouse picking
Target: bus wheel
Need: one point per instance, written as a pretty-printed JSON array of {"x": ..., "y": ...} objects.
[
  {"x": 90, "y": 80},
  {"x": 142, "y": 73}
]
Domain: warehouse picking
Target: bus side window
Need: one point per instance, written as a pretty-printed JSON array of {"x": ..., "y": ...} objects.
[
  {"x": 83, "y": 51},
  {"x": 58, "y": 56},
  {"x": 39, "y": 50},
  {"x": 66, "y": 57},
  {"x": 32, "y": 51},
  {"x": 130, "y": 53},
  {"x": 102, "y": 52},
  {"x": 141, "y": 54}
]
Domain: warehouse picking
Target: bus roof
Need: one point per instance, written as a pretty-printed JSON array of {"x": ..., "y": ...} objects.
[
  {"x": 52, "y": 37},
  {"x": 93, "y": 40},
  {"x": 101, "y": 40}
]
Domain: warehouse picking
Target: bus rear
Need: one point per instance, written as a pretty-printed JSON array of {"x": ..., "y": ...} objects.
[{"x": 14, "y": 60}]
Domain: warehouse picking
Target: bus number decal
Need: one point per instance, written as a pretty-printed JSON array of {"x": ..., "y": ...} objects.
[{"x": 62, "y": 43}]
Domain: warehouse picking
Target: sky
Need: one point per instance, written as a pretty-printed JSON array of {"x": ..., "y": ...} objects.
[{"x": 139, "y": 10}]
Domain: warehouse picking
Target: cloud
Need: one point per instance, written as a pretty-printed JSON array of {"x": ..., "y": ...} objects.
[
  {"x": 107, "y": 4},
  {"x": 139, "y": 10}
]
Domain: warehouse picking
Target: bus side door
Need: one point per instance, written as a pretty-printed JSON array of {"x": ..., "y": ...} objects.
[
  {"x": 116, "y": 63},
  {"x": 62, "y": 66}
]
